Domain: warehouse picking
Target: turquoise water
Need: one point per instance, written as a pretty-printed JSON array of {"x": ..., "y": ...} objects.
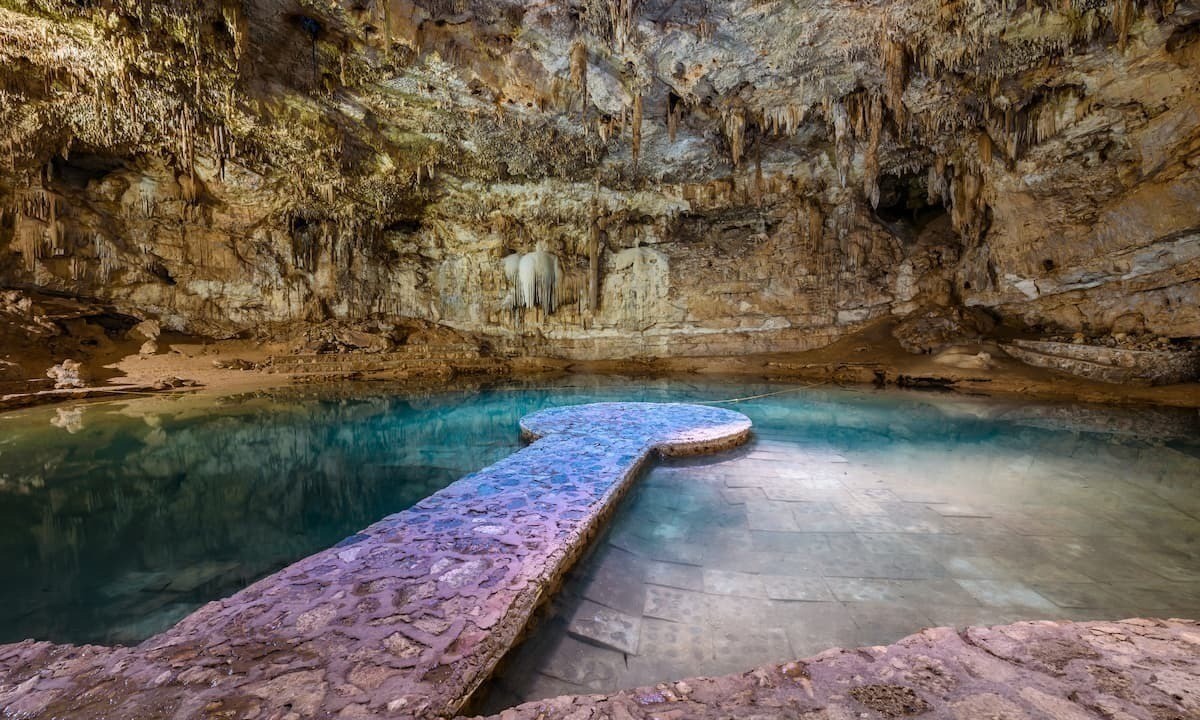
[
  {"x": 117, "y": 519},
  {"x": 855, "y": 519}
]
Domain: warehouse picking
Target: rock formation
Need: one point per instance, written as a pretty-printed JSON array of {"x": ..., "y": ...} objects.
[{"x": 706, "y": 177}]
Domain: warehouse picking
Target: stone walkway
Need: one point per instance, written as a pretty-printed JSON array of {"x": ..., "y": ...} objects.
[
  {"x": 1143, "y": 669},
  {"x": 403, "y": 619}
]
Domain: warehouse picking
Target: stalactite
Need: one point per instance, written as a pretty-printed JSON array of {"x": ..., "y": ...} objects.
[
  {"x": 783, "y": 120},
  {"x": 1122, "y": 20},
  {"x": 594, "y": 251},
  {"x": 895, "y": 78},
  {"x": 185, "y": 140},
  {"x": 189, "y": 189},
  {"x": 936, "y": 189},
  {"x": 735, "y": 133},
  {"x": 539, "y": 272},
  {"x": 874, "y": 123},
  {"x": 984, "y": 144},
  {"x": 623, "y": 19},
  {"x": 108, "y": 257},
  {"x": 579, "y": 62},
  {"x": 843, "y": 150},
  {"x": 965, "y": 191},
  {"x": 637, "y": 129},
  {"x": 38, "y": 231}
]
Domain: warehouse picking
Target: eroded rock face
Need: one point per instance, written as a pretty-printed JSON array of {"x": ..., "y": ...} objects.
[{"x": 707, "y": 177}]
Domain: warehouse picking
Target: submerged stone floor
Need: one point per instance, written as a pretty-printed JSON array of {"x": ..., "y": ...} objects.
[
  {"x": 786, "y": 547},
  {"x": 1143, "y": 669},
  {"x": 405, "y": 618}
]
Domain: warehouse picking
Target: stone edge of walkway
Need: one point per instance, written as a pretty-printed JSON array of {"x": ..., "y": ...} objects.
[{"x": 1129, "y": 669}]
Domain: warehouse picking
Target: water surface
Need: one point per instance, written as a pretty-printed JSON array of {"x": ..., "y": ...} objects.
[{"x": 851, "y": 519}]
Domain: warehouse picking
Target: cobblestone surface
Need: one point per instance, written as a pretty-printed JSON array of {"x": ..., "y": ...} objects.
[{"x": 403, "y": 619}]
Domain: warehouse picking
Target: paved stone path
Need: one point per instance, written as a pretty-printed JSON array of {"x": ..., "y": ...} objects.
[
  {"x": 403, "y": 619},
  {"x": 1143, "y": 669}
]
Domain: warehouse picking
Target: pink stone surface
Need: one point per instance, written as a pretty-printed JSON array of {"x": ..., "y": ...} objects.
[
  {"x": 1138, "y": 668},
  {"x": 403, "y": 619}
]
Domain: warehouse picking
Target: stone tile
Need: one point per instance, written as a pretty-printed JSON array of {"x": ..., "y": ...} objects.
[
  {"x": 813, "y": 627},
  {"x": 959, "y": 511},
  {"x": 960, "y": 616},
  {"x": 677, "y": 644},
  {"x": 685, "y": 577},
  {"x": 726, "y": 540},
  {"x": 773, "y": 516},
  {"x": 579, "y": 663},
  {"x": 1078, "y": 595},
  {"x": 885, "y": 623},
  {"x": 789, "y": 542},
  {"x": 798, "y": 491},
  {"x": 788, "y": 587},
  {"x": 941, "y": 591},
  {"x": 811, "y": 522},
  {"x": 872, "y": 494},
  {"x": 1043, "y": 572},
  {"x": 738, "y": 649},
  {"x": 886, "y": 542},
  {"x": 975, "y": 567},
  {"x": 860, "y": 507},
  {"x": 605, "y": 626},
  {"x": 1180, "y": 597},
  {"x": 804, "y": 564},
  {"x": 615, "y": 580},
  {"x": 679, "y": 553},
  {"x": 742, "y": 495},
  {"x": 683, "y": 606},
  {"x": 719, "y": 582},
  {"x": 732, "y": 611},
  {"x": 895, "y": 566},
  {"x": 1006, "y": 593},
  {"x": 973, "y": 525}
]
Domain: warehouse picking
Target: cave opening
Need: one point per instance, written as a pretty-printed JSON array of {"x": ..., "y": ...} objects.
[{"x": 904, "y": 202}]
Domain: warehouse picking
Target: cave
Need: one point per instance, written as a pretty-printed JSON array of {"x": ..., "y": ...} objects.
[{"x": 599, "y": 359}]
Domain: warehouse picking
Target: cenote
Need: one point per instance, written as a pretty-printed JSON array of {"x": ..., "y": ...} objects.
[{"x": 853, "y": 517}]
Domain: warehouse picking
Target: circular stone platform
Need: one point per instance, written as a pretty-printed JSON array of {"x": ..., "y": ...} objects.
[{"x": 670, "y": 428}]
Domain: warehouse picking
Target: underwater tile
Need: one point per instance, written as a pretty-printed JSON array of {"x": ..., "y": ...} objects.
[
  {"x": 578, "y": 663},
  {"x": 683, "y": 606},
  {"x": 737, "y": 649},
  {"x": 775, "y": 516},
  {"x": 678, "y": 644},
  {"x": 721, "y": 582},
  {"x": 605, "y": 626},
  {"x": 675, "y": 575},
  {"x": 791, "y": 587},
  {"x": 884, "y": 623},
  {"x": 1005, "y": 593}
]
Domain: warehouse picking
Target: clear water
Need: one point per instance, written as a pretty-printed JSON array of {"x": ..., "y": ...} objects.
[
  {"x": 117, "y": 519},
  {"x": 858, "y": 518}
]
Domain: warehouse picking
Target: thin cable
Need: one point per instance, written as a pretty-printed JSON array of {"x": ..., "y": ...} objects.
[{"x": 757, "y": 397}]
